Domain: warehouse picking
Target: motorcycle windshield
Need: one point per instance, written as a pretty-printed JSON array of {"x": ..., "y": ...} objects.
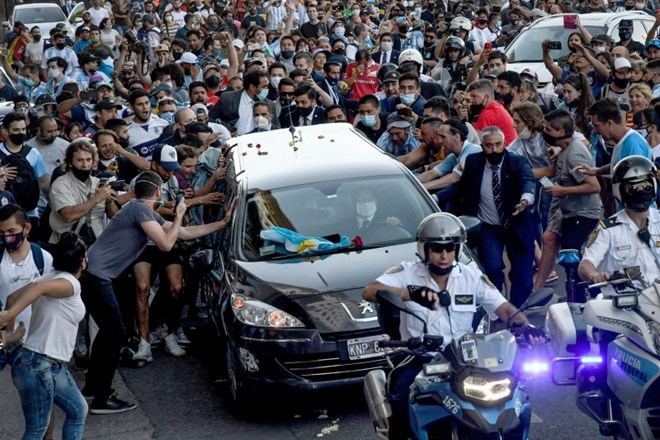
[{"x": 495, "y": 351}]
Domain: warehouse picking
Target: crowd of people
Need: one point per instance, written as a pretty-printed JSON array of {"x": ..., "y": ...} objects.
[{"x": 116, "y": 129}]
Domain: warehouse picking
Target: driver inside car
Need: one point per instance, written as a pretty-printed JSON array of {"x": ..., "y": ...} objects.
[
  {"x": 421, "y": 284},
  {"x": 367, "y": 213}
]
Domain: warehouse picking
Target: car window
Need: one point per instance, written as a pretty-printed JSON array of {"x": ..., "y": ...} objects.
[
  {"x": 527, "y": 47},
  {"x": 639, "y": 32},
  {"x": 329, "y": 209},
  {"x": 39, "y": 15}
]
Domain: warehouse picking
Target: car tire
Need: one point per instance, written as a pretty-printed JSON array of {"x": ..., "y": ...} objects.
[{"x": 240, "y": 396}]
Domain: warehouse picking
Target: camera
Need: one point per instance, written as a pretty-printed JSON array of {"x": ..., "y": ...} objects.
[
  {"x": 554, "y": 45},
  {"x": 137, "y": 45},
  {"x": 117, "y": 185}
]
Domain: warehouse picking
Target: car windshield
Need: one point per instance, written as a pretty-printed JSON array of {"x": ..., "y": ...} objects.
[
  {"x": 334, "y": 210},
  {"x": 40, "y": 15},
  {"x": 527, "y": 48}
]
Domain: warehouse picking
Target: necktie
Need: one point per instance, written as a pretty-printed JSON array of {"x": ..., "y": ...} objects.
[
  {"x": 305, "y": 121},
  {"x": 364, "y": 224},
  {"x": 497, "y": 193}
]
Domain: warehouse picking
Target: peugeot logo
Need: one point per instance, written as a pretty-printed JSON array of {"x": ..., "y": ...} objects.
[{"x": 365, "y": 307}]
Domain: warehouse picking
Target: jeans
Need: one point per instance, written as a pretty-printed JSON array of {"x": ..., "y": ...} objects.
[
  {"x": 492, "y": 241},
  {"x": 400, "y": 380},
  {"x": 101, "y": 303},
  {"x": 40, "y": 382}
]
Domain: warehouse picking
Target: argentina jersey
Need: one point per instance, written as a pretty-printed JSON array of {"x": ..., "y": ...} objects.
[{"x": 142, "y": 137}]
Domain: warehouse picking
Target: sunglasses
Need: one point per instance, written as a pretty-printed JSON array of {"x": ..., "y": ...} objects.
[{"x": 438, "y": 248}]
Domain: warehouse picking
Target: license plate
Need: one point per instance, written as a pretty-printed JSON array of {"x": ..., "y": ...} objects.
[{"x": 364, "y": 348}]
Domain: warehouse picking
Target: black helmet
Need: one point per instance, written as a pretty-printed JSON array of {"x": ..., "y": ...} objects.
[
  {"x": 454, "y": 43},
  {"x": 43, "y": 100},
  {"x": 634, "y": 183},
  {"x": 385, "y": 68}
]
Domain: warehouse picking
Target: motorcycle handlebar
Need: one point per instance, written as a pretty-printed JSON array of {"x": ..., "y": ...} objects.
[{"x": 393, "y": 344}]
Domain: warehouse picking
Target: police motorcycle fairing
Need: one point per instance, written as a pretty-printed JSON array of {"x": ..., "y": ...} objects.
[
  {"x": 469, "y": 390},
  {"x": 618, "y": 383}
]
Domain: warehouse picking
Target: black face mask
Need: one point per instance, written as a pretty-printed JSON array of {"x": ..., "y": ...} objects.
[
  {"x": 339, "y": 51},
  {"x": 177, "y": 55},
  {"x": 79, "y": 174},
  {"x": 123, "y": 142},
  {"x": 625, "y": 36},
  {"x": 476, "y": 109},
  {"x": 305, "y": 111},
  {"x": 621, "y": 83},
  {"x": 403, "y": 29},
  {"x": 13, "y": 242},
  {"x": 36, "y": 38},
  {"x": 640, "y": 199},
  {"x": 436, "y": 270},
  {"x": 552, "y": 140},
  {"x": 212, "y": 81},
  {"x": 495, "y": 158},
  {"x": 60, "y": 46},
  {"x": 17, "y": 138},
  {"x": 482, "y": 21},
  {"x": 505, "y": 98},
  {"x": 572, "y": 49}
]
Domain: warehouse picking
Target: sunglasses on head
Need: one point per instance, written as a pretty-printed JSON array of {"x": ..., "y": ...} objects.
[{"x": 438, "y": 248}]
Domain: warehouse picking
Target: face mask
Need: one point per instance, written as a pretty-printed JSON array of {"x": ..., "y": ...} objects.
[
  {"x": 475, "y": 109},
  {"x": 168, "y": 18},
  {"x": 36, "y": 38},
  {"x": 339, "y": 51},
  {"x": 625, "y": 36},
  {"x": 403, "y": 29},
  {"x": 552, "y": 140},
  {"x": 213, "y": 25},
  {"x": 47, "y": 140},
  {"x": 94, "y": 38},
  {"x": 124, "y": 142},
  {"x": 275, "y": 81},
  {"x": 138, "y": 24},
  {"x": 407, "y": 98},
  {"x": 369, "y": 120},
  {"x": 506, "y": 99},
  {"x": 621, "y": 83},
  {"x": 514, "y": 22},
  {"x": 366, "y": 209},
  {"x": 639, "y": 6},
  {"x": 495, "y": 158},
  {"x": 54, "y": 73},
  {"x": 17, "y": 138},
  {"x": 286, "y": 102},
  {"x": 262, "y": 94},
  {"x": 524, "y": 134},
  {"x": 483, "y": 21},
  {"x": 418, "y": 10},
  {"x": 261, "y": 123},
  {"x": 437, "y": 270},
  {"x": 304, "y": 112},
  {"x": 386, "y": 47},
  {"x": 27, "y": 82},
  {"x": 428, "y": 43},
  {"x": 13, "y": 241},
  {"x": 332, "y": 81},
  {"x": 339, "y": 32},
  {"x": 168, "y": 116},
  {"x": 643, "y": 132},
  {"x": 598, "y": 49},
  {"x": 177, "y": 55},
  {"x": 287, "y": 54},
  {"x": 212, "y": 81},
  {"x": 60, "y": 46},
  {"x": 640, "y": 200},
  {"x": 313, "y": 16},
  {"x": 79, "y": 174}
]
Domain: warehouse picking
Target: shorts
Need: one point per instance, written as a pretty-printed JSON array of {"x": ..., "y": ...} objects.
[
  {"x": 157, "y": 258},
  {"x": 554, "y": 221}
]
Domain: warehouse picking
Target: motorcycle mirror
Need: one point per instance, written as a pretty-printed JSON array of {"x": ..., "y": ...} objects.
[
  {"x": 472, "y": 225},
  {"x": 201, "y": 261},
  {"x": 538, "y": 298},
  {"x": 390, "y": 299}
]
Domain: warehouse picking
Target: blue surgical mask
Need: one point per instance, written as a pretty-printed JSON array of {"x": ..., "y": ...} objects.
[
  {"x": 27, "y": 82},
  {"x": 368, "y": 120},
  {"x": 263, "y": 94},
  {"x": 168, "y": 116},
  {"x": 407, "y": 98}
]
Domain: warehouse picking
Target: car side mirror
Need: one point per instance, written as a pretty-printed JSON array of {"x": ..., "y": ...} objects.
[{"x": 202, "y": 261}]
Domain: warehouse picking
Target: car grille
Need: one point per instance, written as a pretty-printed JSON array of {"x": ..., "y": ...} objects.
[
  {"x": 331, "y": 367},
  {"x": 653, "y": 420}
]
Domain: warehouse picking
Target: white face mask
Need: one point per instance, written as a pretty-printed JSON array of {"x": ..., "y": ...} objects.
[
  {"x": 366, "y": 209},
  {"x": 275, "y": 81},
  {"x": 386, "y": 46},
  {"x": 525, "y": 134},
  {"x": 261, "y": 123}
]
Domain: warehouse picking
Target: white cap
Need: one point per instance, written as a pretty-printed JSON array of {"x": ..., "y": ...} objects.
[
  {"x": 188, "y": 58},
  {"x": 224, "y": 63},
  {"x": 622, "y": 63},
  {"x": 197, "y": 108},
  {"x": 238, "y": 43}
]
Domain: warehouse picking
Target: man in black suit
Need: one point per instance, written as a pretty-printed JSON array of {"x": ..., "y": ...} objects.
[
  {"x": 306, "y": 112},
  {"x": 235, "y": 108},
  {"x": 497, "y": 187},
  {"x": 386, "y": 54}
]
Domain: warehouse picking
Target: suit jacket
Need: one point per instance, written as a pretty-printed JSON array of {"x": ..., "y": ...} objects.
[
  {"x": 516, "y": 179},
  {"x": 347, "y": 104},
  {"x": 394, "y": 56},
  {"x": 226, "y": 110},
  {"x": 291, "y": 114}
]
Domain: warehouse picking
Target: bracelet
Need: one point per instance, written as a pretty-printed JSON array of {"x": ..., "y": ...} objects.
[{"x": 508, "y": 322}]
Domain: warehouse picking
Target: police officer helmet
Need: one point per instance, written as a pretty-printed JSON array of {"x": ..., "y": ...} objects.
[
  {"x": 455, "y": 43},
  {"x": 460, "y": 23},
  {"x": 383, "y": 69},
  {"x": 634, "y": 183},
  {"x": 440, "y": 227}
]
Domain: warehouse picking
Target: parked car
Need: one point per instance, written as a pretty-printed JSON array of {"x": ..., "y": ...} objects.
[
  {"x": 297, "y": 320},
  {"x": 46, "y": 16},
  {"x": 525, "y": 51}
]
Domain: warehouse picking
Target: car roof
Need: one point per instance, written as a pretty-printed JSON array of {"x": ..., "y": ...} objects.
[
  {"x": 321, "y": 152},
  {"x": 593, "y": 19},
  {"x": 37, "y": 5}
]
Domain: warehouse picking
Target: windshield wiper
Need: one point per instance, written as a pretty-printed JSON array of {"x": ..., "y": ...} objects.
[{"x": 342, "y": 250}]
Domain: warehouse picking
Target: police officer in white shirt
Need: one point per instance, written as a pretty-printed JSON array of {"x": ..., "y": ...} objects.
[
  {"x": 440, "y": 239},
  {"x": 631, "y": 237}
]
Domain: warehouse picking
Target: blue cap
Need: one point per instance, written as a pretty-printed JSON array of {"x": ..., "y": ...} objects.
[{"x": 653, "y": 43}]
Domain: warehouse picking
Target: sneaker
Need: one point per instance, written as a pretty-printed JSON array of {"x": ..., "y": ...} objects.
[
  {"x": 181, "y": 337},
  {"x": 112, "y": 405},
  {"x": 154, "y": 340},
  {"x": 172, "y": 347},
  {"x": 143, "y": 355}
]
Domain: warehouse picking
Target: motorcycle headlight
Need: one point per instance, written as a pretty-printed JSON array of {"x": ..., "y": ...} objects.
[
  {"x": 256, "y": 313},
  {"x": 654, "y": 329},
  {"x": 478, "y": 388}
]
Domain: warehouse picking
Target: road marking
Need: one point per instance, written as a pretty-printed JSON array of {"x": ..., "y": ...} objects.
[{"x": 536, "y": 419}]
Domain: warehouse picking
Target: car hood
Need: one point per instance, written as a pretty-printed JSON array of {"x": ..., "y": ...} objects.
[
  {"x": 543, "y": 73},
  {"x": 326, "y": 291}
]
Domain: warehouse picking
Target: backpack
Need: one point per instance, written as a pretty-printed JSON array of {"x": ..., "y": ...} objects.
[
  {"x": 25, "y": 187},
  {"x": 37, "y": 256}
]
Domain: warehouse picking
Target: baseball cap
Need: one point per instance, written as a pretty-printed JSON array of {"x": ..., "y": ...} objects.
[
  {"x": 327, "y": 53},
  {"x": 106, "y": 105},
  {"x": 395, "y": 120},
  {"x": 86, "y": 58},
  {"x": 162, "y": 48},
  {"x": 224, "y": 63},
  {"x": 601, "y": 38},
  {"x": 165, "y": 155},
  {"x": 622, "y": 63},
  {"x": 653, "y": 43},
  {"x": 625, "y": 24},
  {"x": 128, "y": 66},
  {"x": 160, "y": 87},
  {"x": 238, "y": 43},
  {"x": 188, "y": 58},
  {"x": 530, "y": 73},
  {"x": 255, "y": 60},
  {"x": 210, "y": 67},
  {"x": 391, "y": 76},
  {"x": 100, "y": 84},
  {"x": 492, "y": 74},
  {"x": 199, "y": 109}
]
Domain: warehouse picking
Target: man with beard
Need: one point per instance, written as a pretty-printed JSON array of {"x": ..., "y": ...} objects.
[
  {"x": 485, "y": 111},
  {"x": 191, "y": 69},
  {"x": 144, "y": 129},
  {"x": 198, "y": 93},
  {"x": 497, "y": 188},
  {"x": 114, "y": 160},
  {"x": 508, "y": 89},
  {"x": 77, "y": 198}
]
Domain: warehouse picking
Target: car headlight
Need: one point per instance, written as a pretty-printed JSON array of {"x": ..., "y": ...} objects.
[
  {"x": 479, "y": 388},
  {"x": 252, "y": 312}
]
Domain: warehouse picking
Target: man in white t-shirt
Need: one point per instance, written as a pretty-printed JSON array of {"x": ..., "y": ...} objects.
[
  {"x": 97, "y": 12},
  {"x": 18, "y": 263}
]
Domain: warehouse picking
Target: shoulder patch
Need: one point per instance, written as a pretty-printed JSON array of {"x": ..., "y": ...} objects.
[
  {"x": 488, "y": 281},
  {"x": 396, "y": 269},
  {"x": 592, "y": 236},
  {"x": 609, "y": 223}
]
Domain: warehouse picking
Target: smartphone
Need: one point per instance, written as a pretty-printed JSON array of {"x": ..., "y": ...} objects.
[
  {"x": 488, "y": 46},
  {"x": 86, "y": 96},
  {"x": 117, "y": 185},
  {"x": 569, "y": 22},
  {"x": 554, "y": 45},
  {"x": 547, "y": 183},
  {"x": 103, "y": 181}
]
